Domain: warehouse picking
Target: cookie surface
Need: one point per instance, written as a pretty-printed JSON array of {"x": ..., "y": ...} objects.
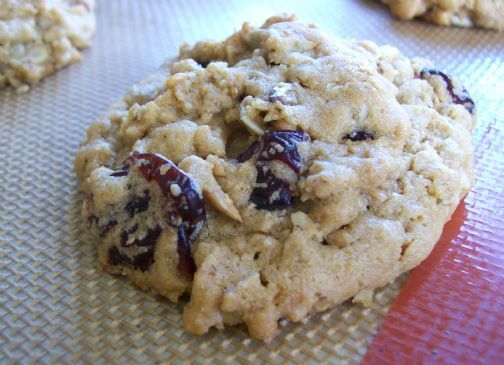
[
  {"x": 38, "y": 37},
  {"x": 462, "y": 13},
  {"x": 276, "y": 174}
]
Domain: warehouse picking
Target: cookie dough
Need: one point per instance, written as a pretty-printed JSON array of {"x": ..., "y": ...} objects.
[
  {"x": 38, "y": 37},
  {"x": 462, "y": 13},
  {"x": 276, "y": 174}
]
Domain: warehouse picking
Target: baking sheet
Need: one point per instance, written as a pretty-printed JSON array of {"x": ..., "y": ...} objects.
[{"x": 55, "y": 306}]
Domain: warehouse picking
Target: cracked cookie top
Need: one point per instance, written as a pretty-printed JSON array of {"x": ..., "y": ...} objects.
[{"x": 276, "y": 173}]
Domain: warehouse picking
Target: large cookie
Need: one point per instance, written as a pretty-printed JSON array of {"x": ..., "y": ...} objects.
[
  {"x": 462, "y": 13},
  {"x": 38, "y": 37},
  {"x": 276, "y": 174}
]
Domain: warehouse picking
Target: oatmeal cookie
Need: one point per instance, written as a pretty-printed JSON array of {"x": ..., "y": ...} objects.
[
  {"x": 276, "y": 174},
  {"x": 462, "y": 13},
  {"x": 38, "y": 37}
]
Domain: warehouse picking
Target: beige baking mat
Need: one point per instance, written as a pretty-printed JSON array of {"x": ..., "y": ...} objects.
[{"x": 54, "y": 305}]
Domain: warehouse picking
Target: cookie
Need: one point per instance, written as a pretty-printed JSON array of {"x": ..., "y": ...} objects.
[
  {"x": 463, "y": 13},
  {"x": 276, "y": 174},
  {"x": 38, "y": 37}
]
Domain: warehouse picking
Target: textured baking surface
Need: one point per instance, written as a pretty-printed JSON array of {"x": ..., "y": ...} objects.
[{"x": 57, "y": 308}]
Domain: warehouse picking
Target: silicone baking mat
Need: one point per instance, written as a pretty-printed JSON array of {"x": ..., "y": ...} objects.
[{"x": 56, "y": 308}]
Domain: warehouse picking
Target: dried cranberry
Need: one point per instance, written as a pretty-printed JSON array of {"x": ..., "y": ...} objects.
[
  {"x": 184, "y": 211},
  {"x": 275, "y": 195},
  {"x": 358, "y": 136},
  {"x": 204, "y": 64},
  {"x": 108, "y": 227},
  {"x": 272, "y": 192},
  {"x": 119, "y": 173},
  {"x": 277, "y": 145},
  {"x": 184, "y": 204},
  {"x": 249, "y": 152},
  {"x": 117, "y": 258},
  {"x": 186, "y": 262},
  {"x": 142, "y": 260},
  {"x": 125, "y": 234},
  {"x": 92, "y": 220},
  {"x": 138, "y": 204},
  {"x": 460, "y": 96}
]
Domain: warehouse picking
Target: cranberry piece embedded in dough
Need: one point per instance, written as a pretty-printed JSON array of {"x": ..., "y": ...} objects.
[
  {"x": 184, "y": 210},
  {"x": 458, "y": 94},
  {"x": 356, "y": 136},
  {"x": 272, "y": 192},
  {"x": 139, "y": 253}
]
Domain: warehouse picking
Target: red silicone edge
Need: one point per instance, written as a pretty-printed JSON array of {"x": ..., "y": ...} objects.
[{"x": 451, "y": 308}]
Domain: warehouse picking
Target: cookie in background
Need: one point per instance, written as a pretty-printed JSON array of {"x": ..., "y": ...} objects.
[
  {"x": 462, "y": 13},
  {"x": 39, "y": 37}
]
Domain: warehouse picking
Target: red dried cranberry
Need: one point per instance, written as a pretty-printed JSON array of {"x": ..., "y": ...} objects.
[
  {"x": 460, "y": 96},
  {"x": 204, "y": 64},
  {"x": 184, "y": 210},
  {"x": 125, "y": 234},
  {"x": 127, "y": 254},
  {"x": 138, "y": 204},
  {"x": 141, "y": 261},
  {"x": 358, "y": 136},
  {"x": 272, "y": 192},
  {"x": 277, "y": 145},
  {"x": 107, "y": 227},
  {"x": 249, "y": 152},
  {"x": 119, "y": 173},
  {"x": 92, "y": 220},
  {"x": 187, "y": 206},
  {"x": 186, "y": 262}
]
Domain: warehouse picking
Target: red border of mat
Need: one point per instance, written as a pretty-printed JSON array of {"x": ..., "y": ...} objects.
[{"x": 451, "y": 308}]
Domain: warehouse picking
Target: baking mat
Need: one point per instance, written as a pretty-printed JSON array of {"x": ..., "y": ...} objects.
[{"x": 55, "y": 306}]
